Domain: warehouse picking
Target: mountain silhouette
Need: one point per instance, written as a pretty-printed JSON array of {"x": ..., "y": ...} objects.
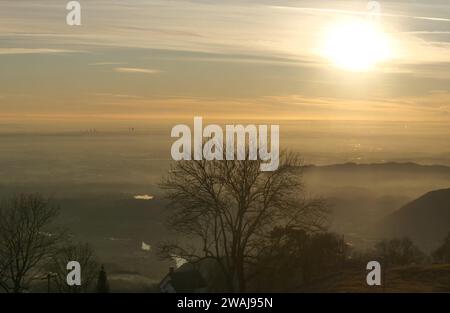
[
  {"x": 425, "y": 220},
  {"x": 382, "y": 168}
]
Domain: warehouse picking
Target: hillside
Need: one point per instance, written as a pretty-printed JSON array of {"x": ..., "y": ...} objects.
[
  {"x": 363, "y": 194},
  {"x": 425, "y": 220},
  {"x": 390, "y": 166},
  {"x": 397, "y": 179},
  {"x": 429, "y": 278}
]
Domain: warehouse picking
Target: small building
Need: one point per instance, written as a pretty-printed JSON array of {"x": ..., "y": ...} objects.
[{"x": 184, "y": 279}]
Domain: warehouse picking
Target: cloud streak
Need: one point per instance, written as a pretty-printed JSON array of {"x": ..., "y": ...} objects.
[
  {"x": 351, "y": 12},
  {"x": 136, "y": 70},
  {"x": 4, "y": 51},
  {"x": 106, "y": 63}
]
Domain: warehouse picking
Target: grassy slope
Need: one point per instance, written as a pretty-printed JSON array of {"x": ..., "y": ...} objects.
[{"x": 430, "y": 278}]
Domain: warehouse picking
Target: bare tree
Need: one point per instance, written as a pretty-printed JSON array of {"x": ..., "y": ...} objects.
[
  {"x": 82, "y": 253},
  {"x": 225, "y": 211},
  {"x": 26, "y": 240},
  {"x": 5, "y": 263}
]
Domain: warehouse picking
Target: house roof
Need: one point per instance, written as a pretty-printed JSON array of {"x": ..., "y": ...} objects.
[{"x": 186, "y": 281}]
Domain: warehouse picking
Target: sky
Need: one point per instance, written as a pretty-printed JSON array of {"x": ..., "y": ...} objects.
[{"x": 168, "y": 59}]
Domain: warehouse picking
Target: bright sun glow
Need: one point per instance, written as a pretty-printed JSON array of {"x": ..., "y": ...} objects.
[{"x": 356, "y": 46}]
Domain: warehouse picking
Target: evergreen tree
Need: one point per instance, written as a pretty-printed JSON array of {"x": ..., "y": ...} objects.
[{"x": 102, "y": 283}]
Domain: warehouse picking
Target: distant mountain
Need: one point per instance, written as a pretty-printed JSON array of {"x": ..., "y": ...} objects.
[
  {"x": 391, "y": 167},
  {"x": 425, "y": 220},
  {"x": 408, "y": 180}
]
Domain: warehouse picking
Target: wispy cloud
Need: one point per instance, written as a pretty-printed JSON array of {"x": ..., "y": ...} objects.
[
  {"x": 136, "y": 70},
  {"x": 353, "y": 12},
  {"x": 113, "y": 95},
  {"x": 106, "y": 63},
  {"x": 258, "y": 29},
  {"x": 433, "y": 106},
  {"x": 35, "y": 51}
]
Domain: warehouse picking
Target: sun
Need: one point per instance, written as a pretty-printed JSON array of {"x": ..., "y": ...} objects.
[{"x": 356, "y": 46}]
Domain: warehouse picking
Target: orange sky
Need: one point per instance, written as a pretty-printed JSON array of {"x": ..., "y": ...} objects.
[{"x": 240, "y": 59}]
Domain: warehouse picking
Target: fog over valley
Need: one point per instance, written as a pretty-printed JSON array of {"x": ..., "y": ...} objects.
[{"x": 106, "y": 179}]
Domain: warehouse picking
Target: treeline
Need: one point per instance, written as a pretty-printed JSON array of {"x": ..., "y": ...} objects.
[
  {"x": 34, "y": 252},
  {"x": 297, "y": 259}
]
